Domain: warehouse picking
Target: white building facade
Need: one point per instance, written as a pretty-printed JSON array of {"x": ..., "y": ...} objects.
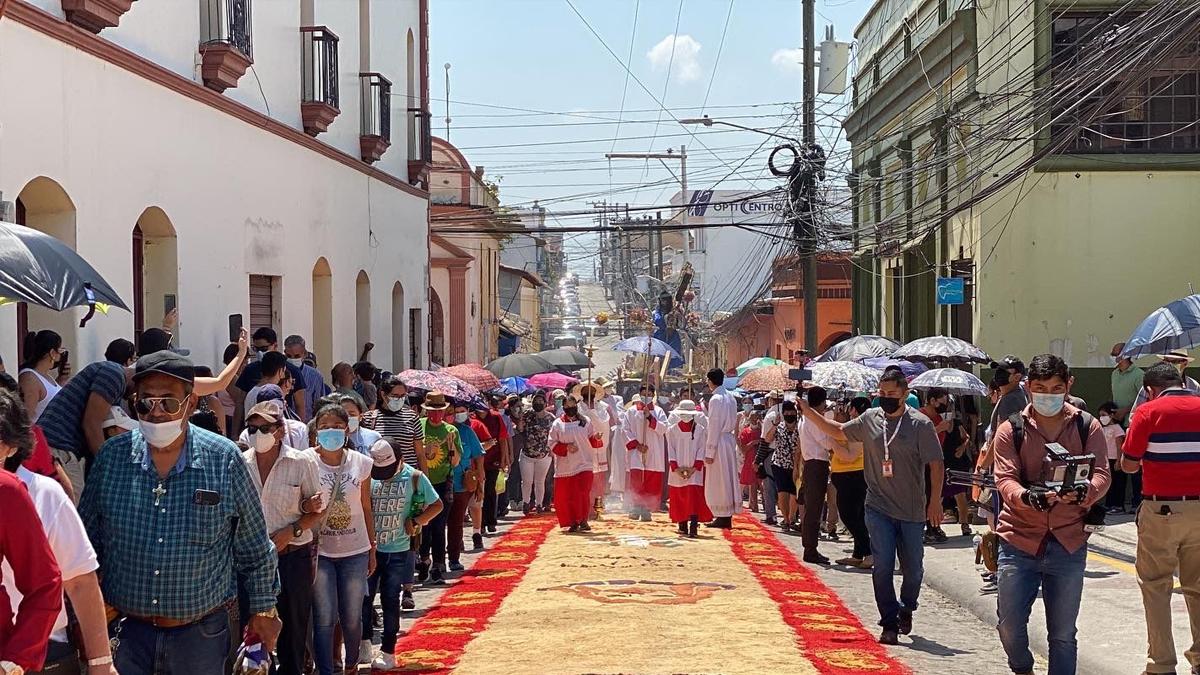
[
  {"x": 268, "y": 159},
  {"x": 732, "y": 264}
]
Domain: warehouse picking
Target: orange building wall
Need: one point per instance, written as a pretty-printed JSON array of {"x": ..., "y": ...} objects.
[{"x": 763, "y": 335}]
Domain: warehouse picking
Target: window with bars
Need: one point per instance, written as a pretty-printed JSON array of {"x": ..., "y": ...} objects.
[{"x": 1160, "y": 115}]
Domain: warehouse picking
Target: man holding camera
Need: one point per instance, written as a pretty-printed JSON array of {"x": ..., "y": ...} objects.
[
  {"x": 1162, "y": 443},
  {"x": 1042, "y": 527}
]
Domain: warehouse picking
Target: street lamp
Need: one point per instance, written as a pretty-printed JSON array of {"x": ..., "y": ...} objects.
[{"x": 708, "y": 122}]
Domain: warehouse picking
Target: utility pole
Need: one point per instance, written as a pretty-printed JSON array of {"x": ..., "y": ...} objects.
[
  {"x": 808, "y": 239},
  {"x": 682, "y": 178}
]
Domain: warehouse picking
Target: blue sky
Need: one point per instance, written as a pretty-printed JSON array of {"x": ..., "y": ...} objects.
[{"x": 537, "y": 55}]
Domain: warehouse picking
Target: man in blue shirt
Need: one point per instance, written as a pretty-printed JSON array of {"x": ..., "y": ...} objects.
[
  {"x": 175, "y": 519},
  {"x": 266, "y": 340},
  {"x": 313, "y": 382}
]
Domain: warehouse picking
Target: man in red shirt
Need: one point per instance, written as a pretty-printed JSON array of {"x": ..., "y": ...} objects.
[
  {"x": 496, "y": 458},
  {"x": 25, "y": 633},
  {"x": 1043, "y": 540},
  {"x": 1163, "y": 441}
]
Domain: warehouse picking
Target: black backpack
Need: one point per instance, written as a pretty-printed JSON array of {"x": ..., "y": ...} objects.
[{"x": 1083, "y": 424}]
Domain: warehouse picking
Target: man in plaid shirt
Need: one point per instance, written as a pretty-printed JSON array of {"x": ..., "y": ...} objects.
[{"x": 174, "y": 518}]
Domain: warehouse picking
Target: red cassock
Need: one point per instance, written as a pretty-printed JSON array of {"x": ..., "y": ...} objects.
[
  {"x": 685, "y": 448},
  {"x": 572, "y": 443},
  {"x": 646, "y": 469}
]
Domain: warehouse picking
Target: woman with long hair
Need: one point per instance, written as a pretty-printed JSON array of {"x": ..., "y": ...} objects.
[
  {"x": 43, "y": 353},
  {"x": 346, "y": 545}
]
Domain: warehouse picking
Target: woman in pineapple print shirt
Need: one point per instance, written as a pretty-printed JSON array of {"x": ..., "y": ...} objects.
[{"x": 346, "y": 546}]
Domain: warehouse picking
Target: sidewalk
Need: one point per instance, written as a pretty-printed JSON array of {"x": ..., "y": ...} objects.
[{"x": 1112, "y": 626}]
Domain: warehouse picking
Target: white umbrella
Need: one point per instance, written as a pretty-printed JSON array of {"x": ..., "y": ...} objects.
[{"x": 953, "y": 380}]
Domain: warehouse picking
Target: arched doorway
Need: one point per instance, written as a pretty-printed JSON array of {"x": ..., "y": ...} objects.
[
  {"x": 831, "y": 340},
  {"x": 362, "y": 309},
  {"x": 155, "y": 268},
  {"x": 437, "y": 329},
  {"x": 322, "y": 314},
  {"x": 45, "y": 206},
  {"x": 398, "y": 342}
]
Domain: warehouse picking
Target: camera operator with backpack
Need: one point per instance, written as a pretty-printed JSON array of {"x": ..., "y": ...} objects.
[{"x": 1051, "y": 468}]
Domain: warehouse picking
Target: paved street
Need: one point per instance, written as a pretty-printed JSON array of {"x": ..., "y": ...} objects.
[{"x": 592, "y": 302}]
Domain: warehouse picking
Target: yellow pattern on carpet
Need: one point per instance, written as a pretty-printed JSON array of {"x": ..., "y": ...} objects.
[{"x": 633, "y": 597}]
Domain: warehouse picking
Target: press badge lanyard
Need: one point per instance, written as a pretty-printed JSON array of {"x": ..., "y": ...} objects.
[{"x": 887, "y": 453}]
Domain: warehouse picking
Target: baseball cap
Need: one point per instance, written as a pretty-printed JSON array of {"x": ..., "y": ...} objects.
[
  {"x": 268, "y": 410},
  {"x": 165, "y": 362},
  {"x": 269, "y": 392},
  {"x": 382, "y": 453},
  {"x": 1009, "y": 363}
]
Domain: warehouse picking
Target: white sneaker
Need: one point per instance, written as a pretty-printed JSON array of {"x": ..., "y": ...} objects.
[
  {"x": 365, "y": 652},
  {"x": 384, "y": 662}
]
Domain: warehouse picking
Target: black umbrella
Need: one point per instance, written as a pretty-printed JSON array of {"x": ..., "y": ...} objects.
[
  {"x": 940, "y": 348},
  {"x": 519, "y": 365},
  {"x": 859, "y": 348},
  {"x": 41, "y": 270},
  {"x": 566, "y": 358}
]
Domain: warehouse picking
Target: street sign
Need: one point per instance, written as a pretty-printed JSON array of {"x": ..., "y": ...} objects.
[{"x": 951, "y": 291}]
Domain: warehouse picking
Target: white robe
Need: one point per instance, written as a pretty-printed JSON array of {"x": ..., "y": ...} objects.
[
  {"x": 618, "y": 462},
  {"x": 684, "y": 448},
  {"x": 580, "y": 457},
  {"x": 599, "y": 418},
  {"x": 722, "y": 490},
  {"x": 639, "y": 431}
]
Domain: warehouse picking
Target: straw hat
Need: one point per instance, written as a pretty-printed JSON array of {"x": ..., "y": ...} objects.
[
  {"x": 435, "y": 400},
  {"x": 686, "y": 408},
  {"x": 597, "y": 389},
  {"x": 1176, "y": 355},
  {"x": 633, "y": 401}
]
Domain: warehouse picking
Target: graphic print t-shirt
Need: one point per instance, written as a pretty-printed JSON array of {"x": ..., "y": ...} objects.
[
  {"x": 343, "y": 532},
  {"x": 392, "y": 502},
  {"x": 438, "y": 439}
]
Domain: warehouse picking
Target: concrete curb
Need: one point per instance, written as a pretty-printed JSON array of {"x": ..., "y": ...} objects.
[{"x": 961, "y": 582}]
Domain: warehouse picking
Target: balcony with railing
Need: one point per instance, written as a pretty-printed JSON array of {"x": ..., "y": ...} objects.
[
  {"x": 226, "y": 42},
  {"x": 318, "y": 78},
  {"x": 420, "y": 146},
  {"x": 376, "y": 134}
]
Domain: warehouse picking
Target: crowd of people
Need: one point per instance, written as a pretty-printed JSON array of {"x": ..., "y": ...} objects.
[{"x": 175, "y": 510}]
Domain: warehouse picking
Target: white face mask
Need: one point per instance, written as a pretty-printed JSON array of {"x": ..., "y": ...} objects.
[
  {"x": 353, "y": 424},
  {"x": 395, "y": 404},
  {"x": 263, "y": 442},
  {"x": 663, "y": 400},
  {"x": 462, "y": 417},
  {"x": 299, "y": 363},
  {"x": 161, "y": 434}
]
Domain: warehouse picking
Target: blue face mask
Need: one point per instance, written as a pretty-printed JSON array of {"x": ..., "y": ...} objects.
[{"x": 331, "y": 439}]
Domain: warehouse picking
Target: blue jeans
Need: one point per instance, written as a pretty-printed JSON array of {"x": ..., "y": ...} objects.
[
  {"x": 392, "y": 572},
  {"x": 1059, "y": 574},
  {"x": 200, "y": 648},
  {"x": 338, "y": 593},
  {"x": 891, "y": 538}
]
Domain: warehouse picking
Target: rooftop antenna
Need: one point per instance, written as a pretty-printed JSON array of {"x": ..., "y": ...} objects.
[{"x": 447, "y": 66}]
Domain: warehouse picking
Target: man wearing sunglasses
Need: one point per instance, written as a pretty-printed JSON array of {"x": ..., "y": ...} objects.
[{"x": 175, "y": 518}]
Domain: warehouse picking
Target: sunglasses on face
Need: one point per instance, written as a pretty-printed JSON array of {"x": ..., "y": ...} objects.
[
  {"x": 169, "y": 405},
  {"x": 260, "y": 429}
]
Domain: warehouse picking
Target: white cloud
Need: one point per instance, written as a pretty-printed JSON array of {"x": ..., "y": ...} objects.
[
  {"x": 685, "y": 65},
  {"x": 788, "y": 60}
]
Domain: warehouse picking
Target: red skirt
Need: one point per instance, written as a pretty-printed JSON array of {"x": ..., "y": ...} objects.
[
  {"x": 688, "y": 501},
  {"x": 572, "y": 498},
  {"x": 646, "y": 487}
]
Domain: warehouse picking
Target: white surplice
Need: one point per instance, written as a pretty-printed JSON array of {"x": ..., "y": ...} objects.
[
  {"x": 684, "y": 448},
  {"x": 722, "y": 490}
]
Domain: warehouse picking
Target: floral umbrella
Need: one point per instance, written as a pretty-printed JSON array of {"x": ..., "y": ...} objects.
[
  {"x": 767, "y": 378},
  {"x": 451, "y": 386},
  {"x": 845, "y": 376},
  {"x": 473, "y": 374},
  {"x": 552, "y": 381}
]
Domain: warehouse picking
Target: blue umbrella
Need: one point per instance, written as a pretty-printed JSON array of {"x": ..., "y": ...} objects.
[
  {"x": 639, "y": 345},
  {"x": 1175, "y": 326},
  {"x": 516, "y": 385}
]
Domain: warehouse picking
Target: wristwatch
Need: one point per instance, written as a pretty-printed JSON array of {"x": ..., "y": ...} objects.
[
  {"x": 272, "y": 613},
  {"x": 297, "y": 530},
  {"x": 10, "y": 668}
]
